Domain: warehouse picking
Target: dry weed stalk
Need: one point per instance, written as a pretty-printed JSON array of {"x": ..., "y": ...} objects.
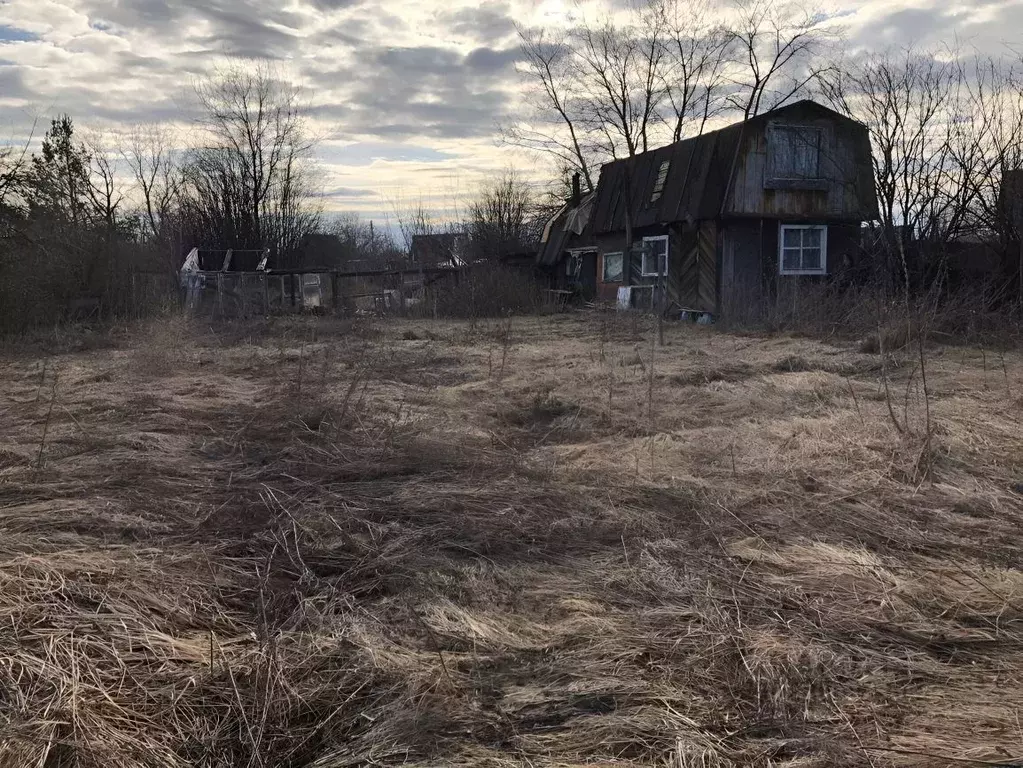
[
  {"x": 423, "y": 590},
  {"x": 46, "y": 421}
]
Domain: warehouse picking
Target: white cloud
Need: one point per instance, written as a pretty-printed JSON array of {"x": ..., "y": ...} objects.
[{"x": 413, "y": 90}]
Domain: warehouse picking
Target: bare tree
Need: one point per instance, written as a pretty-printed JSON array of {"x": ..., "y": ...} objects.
[
  {"x": 363, "y": 242},
  {"x": 693, "y": 68},
  {"x": 775, "y": 54},
  {"x": 414, "y": 220},
  {"x": 986, "y": 139},
  {"x": 104, "y": 188},
  {"x": 150, "y": 157},
  {"x": 554, "y": 100},
  {"x": 905, "y": 99},
  {"x": 259, "y": 155},
  {"x": 622, "y": 77},
  {"x": 660, "y": 72},
  {"x": 13, "y": 167},
  {"x": 499, "y": 217}
]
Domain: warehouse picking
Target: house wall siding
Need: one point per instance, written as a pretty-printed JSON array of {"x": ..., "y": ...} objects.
[{"x": 749, "y": 258}]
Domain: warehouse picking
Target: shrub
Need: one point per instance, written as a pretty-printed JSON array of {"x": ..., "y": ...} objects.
[{"x": 484, "y": 290}]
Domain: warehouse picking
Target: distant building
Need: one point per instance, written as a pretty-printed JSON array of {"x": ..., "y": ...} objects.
[
  {"x": 316, "y": 252},
  {"x": 447, "y": 249}
]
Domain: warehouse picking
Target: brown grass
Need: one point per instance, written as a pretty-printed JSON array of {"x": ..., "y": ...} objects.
[{"x": 307, "y": 543}]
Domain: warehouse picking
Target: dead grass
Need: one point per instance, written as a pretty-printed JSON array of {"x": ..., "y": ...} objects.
[{"x": 538, "y": 542}]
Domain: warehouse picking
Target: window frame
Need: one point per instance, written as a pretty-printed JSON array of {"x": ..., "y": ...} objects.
[
  {"x": 773, "y": 137},
  {"x": 603, "y": 267},
  {"x": 643, "y": 255},
  {"x": 661, "y": 180},
  {"x": 823, "y": 270}
]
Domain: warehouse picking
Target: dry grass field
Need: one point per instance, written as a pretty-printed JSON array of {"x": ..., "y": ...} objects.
[{"x": 544, "y": 541}]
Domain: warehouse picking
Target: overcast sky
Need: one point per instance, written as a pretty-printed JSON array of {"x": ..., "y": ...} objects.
[{"x": 409, "y": 94}]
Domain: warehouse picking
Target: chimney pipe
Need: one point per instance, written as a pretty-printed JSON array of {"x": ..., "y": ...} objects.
[{"x": 577, "y": 195}]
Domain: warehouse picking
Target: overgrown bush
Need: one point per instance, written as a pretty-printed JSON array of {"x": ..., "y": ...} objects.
[
  {"x": 486, "y": 290},
  {"x": 50, "y": 277},
  {"x": 873, "y": 312}
]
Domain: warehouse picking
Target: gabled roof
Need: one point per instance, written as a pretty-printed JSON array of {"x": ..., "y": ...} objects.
[{"x": 699, "y": 170}]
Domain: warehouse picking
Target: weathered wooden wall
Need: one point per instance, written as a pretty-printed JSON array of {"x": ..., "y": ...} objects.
[{"x": 843, "y": 189}]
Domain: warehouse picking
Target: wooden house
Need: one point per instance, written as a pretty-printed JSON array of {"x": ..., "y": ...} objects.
[{"x": 722, "y": 217}]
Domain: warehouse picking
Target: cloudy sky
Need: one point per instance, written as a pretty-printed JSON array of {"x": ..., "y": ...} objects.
[{"x": 408, "y": 94}]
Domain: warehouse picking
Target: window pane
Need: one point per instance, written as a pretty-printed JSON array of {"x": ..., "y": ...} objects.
[
  {"x": 791, "y": 237},
  {"x": 790, "y": 259},
  {"x": 662, "y": 177},
  {"x": 655, "y": 256},
  {"x": 811, "y": 258},
  {"x": 812, "y": 238},
  {"x": 613, "y": 268}
]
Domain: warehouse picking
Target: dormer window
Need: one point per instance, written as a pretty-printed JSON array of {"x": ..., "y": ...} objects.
[{"x": 662, "y": 178}]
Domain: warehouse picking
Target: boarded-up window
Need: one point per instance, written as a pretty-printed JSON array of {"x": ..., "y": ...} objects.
[
  {"x": 662, "y": 178},
  {"x": 793, "y": 152}
]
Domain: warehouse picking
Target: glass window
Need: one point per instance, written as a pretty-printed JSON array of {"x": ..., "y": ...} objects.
[
  {"x": 662, "y": 178},
  {"x": 613, "y": 267},
  {"x": 803, "y": 249},
  {"x": 655, "y": 256}
]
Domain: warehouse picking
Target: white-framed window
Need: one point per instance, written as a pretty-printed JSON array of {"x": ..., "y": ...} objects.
[
  {"x": 655, "y": 256},
  {"x": 803, "y": 249},
  {"x": 614, "y": 267}
]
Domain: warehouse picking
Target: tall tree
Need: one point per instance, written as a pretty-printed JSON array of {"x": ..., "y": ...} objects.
[
  {"x": 554, "y": 120},
  {"x": 696, "y": 52},
  {"x": 660, "y": 72},
  {"x": 57, "y": 184},
  {"x": 499, "y": 217},
  {"x": 775, "y": 50},
  {"x": 904, "y": 97},
  {"x": 620, "y": 68},
  {"x": 154, "y": 167},
  {"x": 250, "y": 185}
]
